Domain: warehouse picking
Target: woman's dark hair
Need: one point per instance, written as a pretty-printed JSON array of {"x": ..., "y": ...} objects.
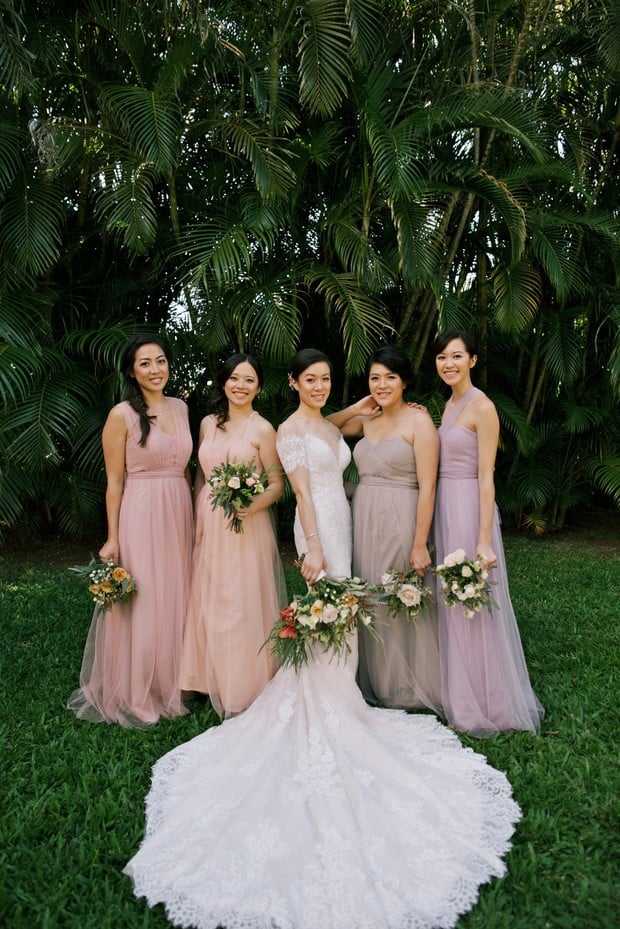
[
  {"x": 444, "y": 338},
  {"x": 395, "y": 359},
  {"x": 135, "y": 396},
  {"x": 304, "y": 358},
  {"x": 218, "y": 402}
]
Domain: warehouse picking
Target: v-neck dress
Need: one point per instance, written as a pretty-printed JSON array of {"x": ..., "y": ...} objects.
[
  {"x": 485, "y": 682},
  {"x": 130, "y": 670},
  {"x": 237, "y": 589}
]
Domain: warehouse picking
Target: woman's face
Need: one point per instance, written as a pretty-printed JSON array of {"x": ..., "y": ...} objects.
[
  {"x": 150, "y": 367},
  {"x": 242, "y": 385},
  {"x": 386, "y": 386},
  {"x": 314, "y": 385},
  {"x": 454, "y": 363}
]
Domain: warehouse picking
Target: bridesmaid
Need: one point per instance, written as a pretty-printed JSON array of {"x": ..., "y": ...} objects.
[
  {"x": 237, "y": 579},
  {"x": 485, "y": 683},
  {"x": 131, "y": 661},
  {"x": 397, "y": 460}
]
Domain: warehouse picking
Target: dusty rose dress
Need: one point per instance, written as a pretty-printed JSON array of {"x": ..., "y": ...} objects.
[
  {"x": 236, "y": 593},
  {"x": 131, "y": 663},
  {"x": 401, "y": 668},
  {"x": 485, "y": 683}
]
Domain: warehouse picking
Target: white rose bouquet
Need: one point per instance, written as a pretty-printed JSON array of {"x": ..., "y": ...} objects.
[
  {"x": 325, "y": 614},
  {"x": 464, "y": 581},
  {"x": 232, "y": 486},
  {"x": 403, "y": 591}
]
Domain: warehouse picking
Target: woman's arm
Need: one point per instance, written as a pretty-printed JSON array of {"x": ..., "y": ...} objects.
[
  {"x": 487, "y": 430},
  {"x": 426, "y": 450},
  {"x": 264, "y": 438},
  {"x": 114, "y": 441},
  {"x": 314, "y": 561},
  {"x": 350, "y": 420}
]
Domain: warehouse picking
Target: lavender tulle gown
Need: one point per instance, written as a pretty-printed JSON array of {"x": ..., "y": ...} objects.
[
  {"x": 312, "y": 810},
  {"x": 485, "y": 683},
  {"x": 401, "y": 668},
  {"x": 130, "y": 669}
]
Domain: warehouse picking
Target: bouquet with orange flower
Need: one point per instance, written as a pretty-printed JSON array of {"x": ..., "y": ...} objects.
[
  {"x": 326, "y": 614},
  {"x": 108, "y": 582}
]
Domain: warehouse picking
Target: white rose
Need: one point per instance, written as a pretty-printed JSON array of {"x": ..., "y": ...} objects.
[
  {"x": 330, "y": 614},
  {"x": 462, "y": 596},
  {"x": 409, "y": 595},
  {"x": 455, "y": 588},
  {"x": 466, "y": 571},
  {"x": 307, "y": 619},
  {"x": 459, "y": 556},
  {"x": 469, "y": 614},
  {"x": 234, "y": 483},
  {"x": 448, "y": 561},
  {"x": 470, "y": 591}
]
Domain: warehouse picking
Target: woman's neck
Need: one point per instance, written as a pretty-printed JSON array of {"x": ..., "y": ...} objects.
[{"x": 459, "y": 391}]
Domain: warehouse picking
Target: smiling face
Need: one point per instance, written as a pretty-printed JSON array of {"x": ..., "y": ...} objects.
[
  {"x": 242, "y": 385},
  {"x": 386, "y": 386},
  {"x": 454, "y": 364},
  {"x": 313, "y": 385},
  {"x": 150, "y": 367}
]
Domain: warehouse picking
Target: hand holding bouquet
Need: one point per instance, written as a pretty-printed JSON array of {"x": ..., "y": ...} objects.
[
  {"x": 326, "y": 614},
  {"x": 233, "y": 486},
  {"x": 465, "y": 582},
  {"x": 108, "y": 582},
  {"x": 403, "y": 591}
]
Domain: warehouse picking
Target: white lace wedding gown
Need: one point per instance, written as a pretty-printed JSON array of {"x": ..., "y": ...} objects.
[{"x": 312, "y": 810}]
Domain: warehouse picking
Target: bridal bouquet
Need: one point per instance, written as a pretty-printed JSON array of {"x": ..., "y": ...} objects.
[
  {"x": 108, "y": 582},
  {"x": 232, "y": 486},
  {"x": 403, "y": 591},
  {"x": 325, "y": 614},
  {"x": 465, "y": 582}
]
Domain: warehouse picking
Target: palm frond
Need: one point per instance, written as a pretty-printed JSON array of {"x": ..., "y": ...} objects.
[
  {"x": 606, "y": 476},
  {"x": 324, "y": 69},
  {"x": 125, "y": 204},
  {"x": 367, "y": 26},
  {"x": 363, "y": 323},
  {"x": 31, "y": 219},
  {"x": 562, "y": 347},
  {"x": 9, "y": 152},
  {"x": 518, "y": 291},
  {"x": 272, "y": 175},
  {"x": 270, "y": 316},
  {"x": 151, "y": 120}
]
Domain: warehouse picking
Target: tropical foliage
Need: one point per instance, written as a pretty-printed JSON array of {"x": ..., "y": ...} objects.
[{"x": 331, "y": 172}]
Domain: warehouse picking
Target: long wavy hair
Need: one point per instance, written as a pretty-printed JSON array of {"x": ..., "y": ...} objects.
[
  {"x": 135, "y": 397},
  {"x": 218, "y": 402}
]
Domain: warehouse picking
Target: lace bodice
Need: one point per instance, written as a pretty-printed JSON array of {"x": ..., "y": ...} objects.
[{"x": 324, "y": 466}]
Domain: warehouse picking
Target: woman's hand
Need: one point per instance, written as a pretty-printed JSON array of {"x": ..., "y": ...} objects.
[
  {"x": 312, "y": 565},
  {"x": 110, "y": 551},
  {"x": 486, "y": 554},
  {"x": 366, "y": 407},
  {"x": 420, "y": 559}
]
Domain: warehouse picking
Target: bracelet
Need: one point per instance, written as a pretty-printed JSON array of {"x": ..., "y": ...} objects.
[{"x": 311, "y": 536}]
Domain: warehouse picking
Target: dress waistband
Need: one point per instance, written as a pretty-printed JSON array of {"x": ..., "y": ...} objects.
[
  {"x": 391, "y": 482},
  {"x": 463, "y": 474},
  {"x": 151, "y": 475}
]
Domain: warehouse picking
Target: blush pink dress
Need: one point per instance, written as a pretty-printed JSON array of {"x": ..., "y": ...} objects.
[
  {"x": 131, "y": 664},
  {"x": 485, "y": 682},
  {"x": 236, "y": 593}
]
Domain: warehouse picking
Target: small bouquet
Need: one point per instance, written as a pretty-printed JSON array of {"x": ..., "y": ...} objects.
[
  {"x": 464, "y": 582},
  {"x": 403, "y": 591},
  {"x": 108, "y": 582},
  {"x": 325, "y": 614},
  {"x": 232, "y": 486}
]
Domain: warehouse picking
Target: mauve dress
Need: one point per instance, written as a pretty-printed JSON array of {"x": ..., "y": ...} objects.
[
  {"x": 131, "y": 664},
  {"x": 237, "y": 590},
  {"x": 401, "y": 668},
  {"x": 485, "y": 683}
]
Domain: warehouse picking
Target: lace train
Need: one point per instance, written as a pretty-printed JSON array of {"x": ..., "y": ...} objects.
[{"x": 314, "y": 811}]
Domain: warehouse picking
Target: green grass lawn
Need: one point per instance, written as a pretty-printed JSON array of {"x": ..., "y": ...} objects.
[{"x": 73, "y": 793}]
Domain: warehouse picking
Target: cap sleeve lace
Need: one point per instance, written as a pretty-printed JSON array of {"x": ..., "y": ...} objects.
[{"x": 292, "y": 452}]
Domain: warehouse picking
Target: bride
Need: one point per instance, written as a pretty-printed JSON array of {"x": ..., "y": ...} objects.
[{"x": 311, "y": 809}]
